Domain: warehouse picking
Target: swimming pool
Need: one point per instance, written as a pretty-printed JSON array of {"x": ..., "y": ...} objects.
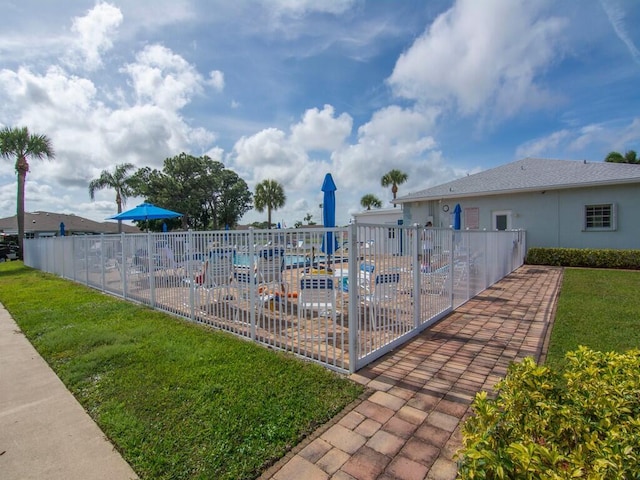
[{"x": 290, "y": 261}]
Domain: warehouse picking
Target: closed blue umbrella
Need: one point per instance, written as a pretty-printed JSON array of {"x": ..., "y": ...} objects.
[
  {"x": 62, "y": 229},
  {"x": 329, "y": 242},
  {"x": 456, "y": 217},
  {"x": 146, "y": 211}
]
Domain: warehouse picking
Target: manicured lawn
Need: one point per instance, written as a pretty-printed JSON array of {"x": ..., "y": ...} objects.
[
  {"x": 179, "y": 401},
  {"x": 599, "y": 309}
]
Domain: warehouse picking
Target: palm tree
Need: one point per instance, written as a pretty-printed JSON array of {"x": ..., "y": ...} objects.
[
  {"x": 616, "y": 157},
  {"x": 270, "y": 195},
  {"x": 370, "y": 200},
  {"x": 19, "y": 143},
  {"x": 119, "y": 181},
  {"x": 394, "y": 178}
]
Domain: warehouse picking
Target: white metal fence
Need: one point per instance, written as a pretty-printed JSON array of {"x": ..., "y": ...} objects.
[{"x": 379, "y": 287}]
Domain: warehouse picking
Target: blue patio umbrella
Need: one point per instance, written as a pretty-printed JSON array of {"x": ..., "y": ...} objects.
[
  {"x": 62, "y": 229},
  {"x": 146, "y": 211},
  {"x": 329, "y": 242},
  {"x": 164, "y": 227},
  {"x": 456, "y": 216}
]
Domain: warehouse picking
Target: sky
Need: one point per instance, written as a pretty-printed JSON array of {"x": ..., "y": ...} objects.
[{"x": 290, "y": 90}]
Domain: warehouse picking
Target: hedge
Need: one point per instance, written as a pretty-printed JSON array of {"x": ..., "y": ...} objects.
[
  {"x": 582, "y": 422},
  {"x": 584, "y": 257}
]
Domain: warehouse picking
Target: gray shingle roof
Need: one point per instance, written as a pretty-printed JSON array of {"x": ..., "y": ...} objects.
[
  {"x": 531, "y": 174},
  {"x": 50, "y": 222}
]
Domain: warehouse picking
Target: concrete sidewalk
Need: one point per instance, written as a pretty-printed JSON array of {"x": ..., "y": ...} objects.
[{"x": 44, "y": 432}]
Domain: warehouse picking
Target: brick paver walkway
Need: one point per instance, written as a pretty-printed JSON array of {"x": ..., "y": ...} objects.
[{"x": 408, "y": 427}]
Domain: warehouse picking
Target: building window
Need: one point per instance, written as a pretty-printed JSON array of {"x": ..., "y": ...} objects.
[
  {"x": 600, "y": 217},
  {"x": 501, "y": 220}
]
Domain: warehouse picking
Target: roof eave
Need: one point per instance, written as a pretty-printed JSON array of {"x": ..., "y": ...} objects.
[{"x": 538, "y": 188}]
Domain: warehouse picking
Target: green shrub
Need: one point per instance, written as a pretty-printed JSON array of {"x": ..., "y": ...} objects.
[
  {"x": 582, "y": 422},
  {"x": 584, "y": 257}
]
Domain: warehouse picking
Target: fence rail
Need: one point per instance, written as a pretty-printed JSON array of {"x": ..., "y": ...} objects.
[{"x": 339, "y": 296}]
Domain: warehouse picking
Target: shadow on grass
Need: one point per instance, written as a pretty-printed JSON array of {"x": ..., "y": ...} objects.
[{"x": 14, "y": 268}]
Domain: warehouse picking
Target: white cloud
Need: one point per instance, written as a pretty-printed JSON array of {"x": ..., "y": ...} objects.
[
  {"x": 298, "y": 8},
  {"x": 94, "y": 32},
  {"x": 269, "y": 154},
  {"x": 393, "y": 138},
  {"x": 616, "y": 15},
  {"x": 163, "y": 78},
  {"x": 94, "y": 128},
  {"x": 582, "y": 142},
  {"x": 216, "y": 80},
  {"x": 541, "y": 147},
  {"x": 321, "y": 130},
  {"x": 481, "y": 55}
]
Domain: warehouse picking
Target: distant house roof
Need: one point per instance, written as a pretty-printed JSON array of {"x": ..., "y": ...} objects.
[
  {"x": 531, "y": 174},
  {"x": 40, "y": 222}
]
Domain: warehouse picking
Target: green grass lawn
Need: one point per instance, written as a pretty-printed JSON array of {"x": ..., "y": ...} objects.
[
  {"x": 599, "y": 309},
  {"x": 178, "y": 400}
]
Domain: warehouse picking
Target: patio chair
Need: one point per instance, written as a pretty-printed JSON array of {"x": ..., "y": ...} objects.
[
  {"x": 251, "y": 295},
  {"x": 364, "y": 278},
  {"x": 384, "y": 297},
  {"x": 435, "y": 282},
  {"x": 317, "y": 293},
  {"x": 270, "y": 268},
  {"x": 217, "y": 275},
  {"x": 164, "y": 258}
]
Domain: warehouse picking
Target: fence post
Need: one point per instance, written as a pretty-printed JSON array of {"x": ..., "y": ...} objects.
[
  {"x": 152, "y": 272},
  {"x": 417, "y": 288},
  {"x": 123, "y": 265},
  {"x": 252, "y": 296},
  {"x": 191, "y": 276},
  {"x": 452, "y": 261},
  {"x": 73, "y": 258},
  {"x": 353, "y": 297},
  {"x": 102, "y": 264}
]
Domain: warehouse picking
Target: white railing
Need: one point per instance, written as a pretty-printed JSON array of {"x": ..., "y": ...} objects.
[{"x": 375, "y": 291}]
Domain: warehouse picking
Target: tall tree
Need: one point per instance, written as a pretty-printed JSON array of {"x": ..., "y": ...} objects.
[
  {"x": 118, "y": 180},
  {"x": 19, "y": 143},
  {"x": 392, "y": 179},
  {"x": 629, "y": 157},
  {"x": 370, "y": 200},
  {"x": 270, "y": 195},
  {"x": 207, "y": 194}
]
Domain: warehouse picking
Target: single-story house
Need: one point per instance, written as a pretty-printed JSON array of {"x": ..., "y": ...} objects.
[
  {"x": 380, "y": 216},
  {"x": 47, "y": 224},
  {"x": 392, "y": 217},
  {"x": 559, "y": 203}
]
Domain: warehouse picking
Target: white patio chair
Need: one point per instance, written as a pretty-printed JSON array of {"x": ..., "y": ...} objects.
[
  {"x": 270, "y": 268},
  {"x": 384, "y": 297},
  {"x": 435, "y": 282},
  {"x": 218, "y": 274},
  {"x": 246, "y": 285},
  {"x": 317, "y": 293}
]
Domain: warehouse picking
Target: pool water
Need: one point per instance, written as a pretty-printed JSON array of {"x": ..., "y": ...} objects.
[{"x": 290, "y": 261}]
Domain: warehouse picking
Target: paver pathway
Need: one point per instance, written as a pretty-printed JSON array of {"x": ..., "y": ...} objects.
[{"x": 409, "y": 426}]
